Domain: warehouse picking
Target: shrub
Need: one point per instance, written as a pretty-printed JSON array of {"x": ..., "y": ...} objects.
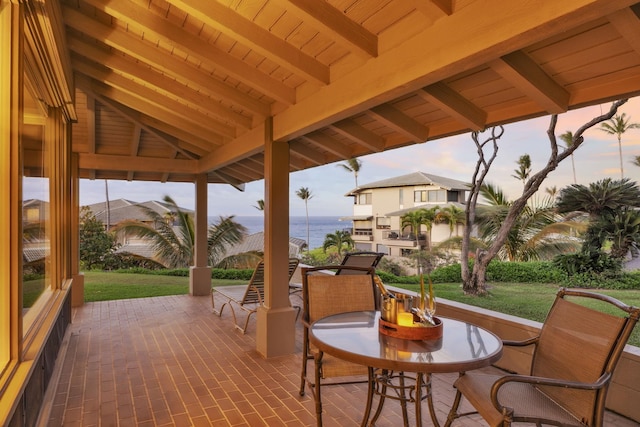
[{"x": 524, "y": 272}]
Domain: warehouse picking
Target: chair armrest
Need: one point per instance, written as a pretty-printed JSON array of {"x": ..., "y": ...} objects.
[
  {"x": 523, "y": 343},
  {"x": 552, "y": 382}
]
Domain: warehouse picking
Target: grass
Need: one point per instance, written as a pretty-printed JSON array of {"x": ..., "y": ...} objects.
[{"x": 527, "y": 300}]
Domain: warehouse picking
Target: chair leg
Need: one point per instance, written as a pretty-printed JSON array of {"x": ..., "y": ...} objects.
[{"x": 316, "y": 388}]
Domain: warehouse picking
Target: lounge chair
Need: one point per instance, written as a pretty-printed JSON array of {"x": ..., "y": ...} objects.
[
  {"x": 247, "y": 297},
  {"x": 573, "y": 361},
  {"x": 360, "y": 259}
]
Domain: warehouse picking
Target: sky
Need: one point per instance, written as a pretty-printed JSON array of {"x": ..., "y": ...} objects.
[{"x": 453, "y": 157}]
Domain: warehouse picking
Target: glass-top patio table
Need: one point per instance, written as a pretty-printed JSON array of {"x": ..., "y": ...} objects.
[{"x": 355, "y": 337}]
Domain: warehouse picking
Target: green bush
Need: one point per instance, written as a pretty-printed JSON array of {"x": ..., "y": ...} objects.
[{"x": 524, "y": 272}]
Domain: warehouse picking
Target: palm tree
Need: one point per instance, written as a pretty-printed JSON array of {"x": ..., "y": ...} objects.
[
  {"x": 601, "y": 201},
  {"x": 618, "y": 125},
  {"x": 524, "y": 168},
  {"x": 352, "y": 165},
  {"x": 636, "y": 160},
  {"x": 538, "y": 233},
  {"x": 567, "y": 138},
  {"x": 305, "y": 194},
  {"x": 174, "y": 245},
  {"x": 341, "y": 239},
  {"x": 452, "y": 216},
  {"x": 428, "y": 219},
  {"x": 260, "y": 206},
  {"x": 623, "y": 229}
]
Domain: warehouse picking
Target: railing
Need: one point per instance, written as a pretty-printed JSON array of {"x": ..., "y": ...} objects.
[{"x": 397, "y": 235}]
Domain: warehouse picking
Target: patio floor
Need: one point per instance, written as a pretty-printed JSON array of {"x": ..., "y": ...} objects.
[{"x": 168, "y": 361}]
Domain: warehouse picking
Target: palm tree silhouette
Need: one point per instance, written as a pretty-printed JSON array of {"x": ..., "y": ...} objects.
[
  {"x": 352, "y": 165},
  {"x": 305, "y": 194},
  {"x": 567, "y": 138},
  {"x": 618, "y": 125}
]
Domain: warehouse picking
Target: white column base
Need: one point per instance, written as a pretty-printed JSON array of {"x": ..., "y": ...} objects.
[
  {"x": 276, "y": 331},
  {"x": 199, "y": 281}
]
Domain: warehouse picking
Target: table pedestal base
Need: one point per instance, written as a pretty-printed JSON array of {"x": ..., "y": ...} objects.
[{"x": 401, "y": 387}]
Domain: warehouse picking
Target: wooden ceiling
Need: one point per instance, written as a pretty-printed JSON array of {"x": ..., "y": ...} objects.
[{"x": 170, "y": 89}]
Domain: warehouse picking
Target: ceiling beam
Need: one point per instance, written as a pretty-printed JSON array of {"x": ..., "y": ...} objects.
[
  {"x": 127, "y": 163},
  {"x": 151, "y": 23},
  {"x": 161, "y": 82},
  {"x": 312, "y": 156},
  {"x": 147, "y": 108},
  {"x": 626, "y": 22},
  {"x": 151, "y": 96},
  {"x": 247, "y": 144},
  {"x": 135, "y": 144},
  {"x": 237, "y": 184},
  {"x": 151, "y": 55},
  {"x": 400, "y": 122},
  {"x": 330, "y": 20},
  {"x": 360, "y": 135},
  {"x": 434, "y": 9},
  {"x": 225, "y": 20},
  {"x": 419, "y": 61},
  {"x": 123, "y": 112},
  {"x": 532, "y": 81},
  {"x": 455, "y": 105},
  {"x": 329, "y": 144}
]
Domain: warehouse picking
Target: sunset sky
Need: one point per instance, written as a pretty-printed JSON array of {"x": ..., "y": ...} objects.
[{"x": 452, "y": 157}]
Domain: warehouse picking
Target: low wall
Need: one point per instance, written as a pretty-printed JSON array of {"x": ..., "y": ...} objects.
[{"x": 624, "y": 392}]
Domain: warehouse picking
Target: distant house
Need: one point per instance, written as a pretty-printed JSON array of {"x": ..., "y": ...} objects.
[
  {"x": 35, "y": 246},
  {"x": 122, "y": 209},
  {"x": 379, "y": 206},
  {"x": 255, "y": 243}
]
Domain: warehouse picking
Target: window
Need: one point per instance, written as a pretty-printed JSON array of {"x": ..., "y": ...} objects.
[
  {"x": 364, "y": 198},
  {"x": 437, "y": 196},
  {"x": 401, "y": 197},
  {"x": 420, "y": 196},
  {"x": 383, "y": 222}
]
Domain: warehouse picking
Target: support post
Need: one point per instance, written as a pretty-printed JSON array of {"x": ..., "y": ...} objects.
[
  {"x": 200, "y": 272},
  {"x": 275, "y": 335}
]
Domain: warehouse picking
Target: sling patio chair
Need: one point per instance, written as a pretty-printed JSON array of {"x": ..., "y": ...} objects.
[
  {"x": 247, "y": 297},
  {"x": 325, "y": 294},
  {"x": 573, "y": 361},
  {"x": 360, "y": 259}
]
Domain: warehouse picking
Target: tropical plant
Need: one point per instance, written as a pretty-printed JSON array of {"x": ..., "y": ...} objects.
[
  {"x": 260, "y": 205},
  {"x": 174, "y": 246},
  {"x": 524, "y": 168},
  {"x": 305, "y": 194},
  {"x": 537, "y": 234},
  {"x": 567, "y": 138},
  {"x": 623, "y": 229},
  {"x": 617, "y": 126},
  {"x": 452, "y": 216},
  {"x": 604, "y": 201},
  {"x": 340, "y": 240},
  {"x": 95, "y": 242},
  {"x": 352, "y": 165}
]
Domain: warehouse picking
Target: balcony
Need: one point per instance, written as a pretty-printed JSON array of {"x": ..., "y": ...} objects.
[
  {"x": 404, "y": 240},
  {"x": 362, "y": 234},
  {"x": 167, "y": 361}
]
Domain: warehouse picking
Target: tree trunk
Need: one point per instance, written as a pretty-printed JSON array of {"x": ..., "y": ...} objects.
[{"x": 476, "y": 284}]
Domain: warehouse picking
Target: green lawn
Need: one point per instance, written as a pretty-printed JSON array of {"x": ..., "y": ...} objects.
[{"x": 529, "y": 300}]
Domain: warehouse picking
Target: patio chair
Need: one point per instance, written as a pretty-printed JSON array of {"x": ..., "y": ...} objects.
[
  {"x": 573, "y": 361},
  {"x": 247, "y": 297},
  {"x": 323, "y": 295},
  {"x": 360, "y": 259}
]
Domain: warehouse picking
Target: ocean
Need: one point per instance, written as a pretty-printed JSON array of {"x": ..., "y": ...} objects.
[{"x": 319, "y": 227}]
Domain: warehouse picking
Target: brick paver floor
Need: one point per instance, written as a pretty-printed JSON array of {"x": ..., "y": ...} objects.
[{"x": 168, "y": 361}]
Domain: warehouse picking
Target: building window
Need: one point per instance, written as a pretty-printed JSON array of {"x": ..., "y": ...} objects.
[
  {"x": 437, "y": 196},
  {"x": 401, "y": 197},
  {"x": 364, "y": 199},
  {"x": 383, "y": 223},
  {"x": 420, "y": 196}
]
